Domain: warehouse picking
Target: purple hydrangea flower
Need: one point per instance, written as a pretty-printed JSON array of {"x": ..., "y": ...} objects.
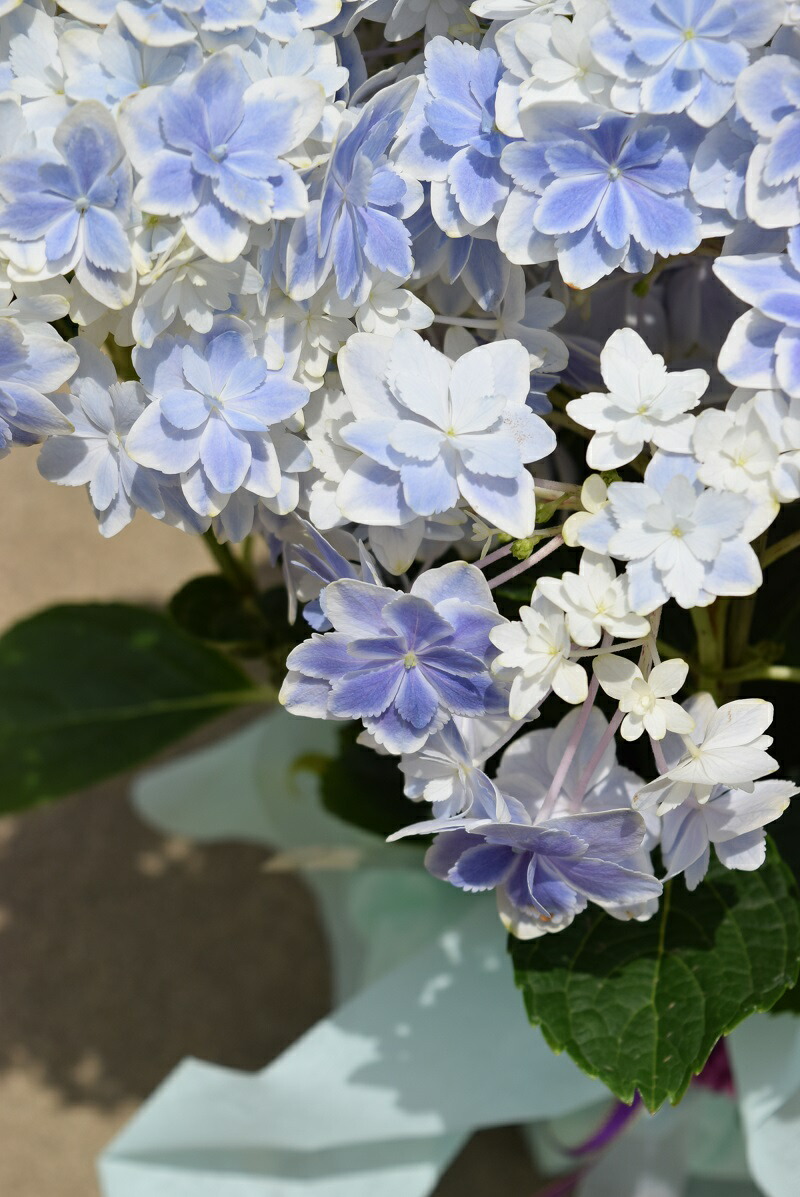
[
  {"x": 451, "y": 138},
  {"x": 681, "y": 55},
  {"x": 598, "y": 190},
  {"x": 546, "y": 870},
  {"x": 355, "y": 227},
  {"x": 768, "y": 97},
  {"x": 211, "y": 149},
  {"x": 402, "y": 663}
]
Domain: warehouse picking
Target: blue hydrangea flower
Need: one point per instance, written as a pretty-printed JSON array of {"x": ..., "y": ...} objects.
[
  {"x": 402, "y": 663},
  {"x": 210, "y": 149},
  {"x": 355, "y": 227},
  {"x": 763, "y": 346},
  {"x": 101, "y": 411},
  {"x": 681, "y": 55},
  {"x": 477, "y": 262},
  {"x": 717, "y": 179},
  {"x": 430, "y": 431},
  {"x": 69, "y": 209},
  {"x": 451, "y": 139},
  {"x": 598, "y": 190},
  {"x": 112, "y": 65},
  {"x": 170, "y": 22},
  {"x": 216, "y": 419},
  {"x": 284, "y": 19},
  {"x": 311, "y": 563},
  {"x": 34, "y": 362},
  {"x": 768, "y": 97}
]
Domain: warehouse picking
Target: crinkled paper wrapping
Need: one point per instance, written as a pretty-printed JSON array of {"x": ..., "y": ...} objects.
[{"x": 430, "y": 1041}]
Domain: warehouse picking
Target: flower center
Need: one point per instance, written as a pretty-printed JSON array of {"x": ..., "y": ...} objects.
[
  {"x": 410, "y": 660},
  {"x": 614, "y": 172}
]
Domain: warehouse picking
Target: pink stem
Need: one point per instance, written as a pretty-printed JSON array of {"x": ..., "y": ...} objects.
[
  {"x": 585, "y": 778},
  {"x": 658, "y": 756},
  {"x": 516, "y": 570},
  {"x": 564, "y": 764},
  {"x": 490, "y": 558}
]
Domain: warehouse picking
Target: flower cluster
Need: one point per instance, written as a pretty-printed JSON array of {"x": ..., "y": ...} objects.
[{"x": 336, "y": 273}]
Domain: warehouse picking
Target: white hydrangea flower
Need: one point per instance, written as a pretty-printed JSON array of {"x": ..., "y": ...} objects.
[
  {"x": 680, "y": 540},
  {"x": 448, "y": 770},
  {"x": 549, "y": 59},
  {"x": 732, "y": 820},
  {"x": 594, "y": 600},
  {"x": 534, "y": 656},
  {"x": 390, "y": 307},
  {"x": 594, "y": 497},
  {"x": 646, "y": 701},
  {"x": 645, "y": 403},
  {"x": 781, "y": 417},
  {"x": 727, "y": 747}
]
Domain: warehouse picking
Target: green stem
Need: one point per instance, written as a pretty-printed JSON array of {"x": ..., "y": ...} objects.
[
  {"x": 769, "y": 673},
  {"x": 708, "y": 651},
  {"x": 230, "y": 566},
  {"x": 780, "y": 549}
]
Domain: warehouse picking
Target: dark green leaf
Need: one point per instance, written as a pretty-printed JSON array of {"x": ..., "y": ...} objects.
[
  {"x": 641, "y": 1005},
  {"x": 366, "y": 789},
  {"x": 89, "y": 690},
  {"x": 212, "y": 608}
]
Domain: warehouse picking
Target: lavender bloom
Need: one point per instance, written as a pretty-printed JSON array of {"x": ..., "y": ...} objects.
[
  {"x": 681, "y": 57},
  {"x": 311, "y": 563},
  {"x": 34, "y": 362},
  {"x": 762, "y": 350},
  {"x": 211, "y": 149},
  {"x": 598, "y": 190},
  {"x": 451, "y": 139},
  {"x": 101, "y": 411},
  {"x": 355, "y": 227},
  {"x": 477, "y": 262},
  {"x": 216, "y": 419},
  {"x": 545, "y": 871},
  {"x": 284, "y": 19},
  {"x": 68, "y": 209},
  {"x": 402, "y": 663}
]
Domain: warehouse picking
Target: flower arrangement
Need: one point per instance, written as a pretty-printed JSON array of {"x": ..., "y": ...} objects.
[{"x": 478, "y": 323}]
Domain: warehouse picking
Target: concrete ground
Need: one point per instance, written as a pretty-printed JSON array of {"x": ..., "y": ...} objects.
[{"x": 121, "y": 952}]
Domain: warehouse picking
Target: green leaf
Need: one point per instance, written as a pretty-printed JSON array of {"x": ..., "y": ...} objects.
[
  {"x": 89, "y": 690},
  {"x": 366, "y": 789},
  {"x": 641, "y": 1005}
]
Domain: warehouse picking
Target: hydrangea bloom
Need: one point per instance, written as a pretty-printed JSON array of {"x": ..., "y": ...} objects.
[
  {"x": 403, "y": 663},
  {"x": 731, "y": 819},
  {"x": 430, "y": 431},
  {"x": 216, "y": 418},
  {"x": 646, "y": 701},
  {"x": 356, "y": 227},
  {"x": 594, "y": 601},
  {"x": 451, "y": 139},
  {"x": 101, "y": 412},
  {"x": 763, "y": 346},
  {"x": 726, "y": 747},
  {"x": 170, "y": 22},
  {"x": 598, "y": 190},
  {"x": 681, "y": 57},
  {"x": 548, "y": 59},
  {"x": 447, "y": 771},
  {"x": 680, "y": 540},
  {"x": 211, "y": 149},
  {"x": 534, "y": 656},
  {"x": 68, "y": 209},
  {"x": 545, "y": 871},
  {"x": 34, "y": 362},
  {"x": 646, "y": 403},
  {"x": 767, "y": 97}
]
